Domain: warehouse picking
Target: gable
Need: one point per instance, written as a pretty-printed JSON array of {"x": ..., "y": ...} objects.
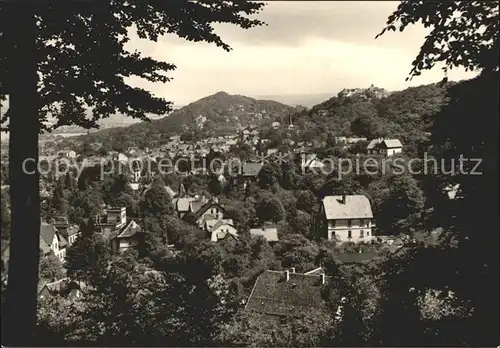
[{"x": 48, "y": 233}]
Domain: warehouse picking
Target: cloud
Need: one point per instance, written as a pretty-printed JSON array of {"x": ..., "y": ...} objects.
[{"x": 306, "y": 47}]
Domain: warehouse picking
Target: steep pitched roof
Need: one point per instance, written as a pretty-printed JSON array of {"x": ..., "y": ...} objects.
[
  {"x": 199, "y": 204},
  {"x": 47, "y": 232},
  {"x": 44, "y": 247},
  {"x": 269, "y": 233},
  {"x": 392, "y": 143},
  {"x": 130, "y": 230},
  {"x": 199, "y": 210},
  {"x": 355, "y": 207},
  {"x": 274, "y": 295},
  {"x": 61, "y": 240},
  {"x": 220, "y": 223},
  {"x": 387, "y": 143}
]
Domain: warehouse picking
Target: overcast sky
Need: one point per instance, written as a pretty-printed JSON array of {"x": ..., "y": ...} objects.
[{"x": 307, "y": 47}]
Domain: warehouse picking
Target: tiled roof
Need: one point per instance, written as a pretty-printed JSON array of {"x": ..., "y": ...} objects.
[
  {"x": 130, "y": 230},
  {"x": 216, "y": 223},
  {"x": 199, "y": 210},
  {"x": 228, "y": 222},
  {"x": 198, "y": 204},
  {"x": 269, "y": 233},
  {"x": 274, "y": 295},
  {"x": 44, "y": 247},
  {"x": 47, "y": 233},
  {"x": 392, "y": 143},
  {"x": 355, "y": 207},
  {"x": 61, "y": 241}
]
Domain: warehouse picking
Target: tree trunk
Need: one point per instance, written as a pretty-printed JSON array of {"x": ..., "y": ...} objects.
[{"x": 21, "y": 301}]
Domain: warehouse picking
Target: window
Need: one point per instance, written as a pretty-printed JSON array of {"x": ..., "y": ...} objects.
[
  {"x": 362, "y": 234},
  {"x": 367, "y": 223},
  {"x": 349, "y": 234},
  {"x": 367, "y": 233},
  {"x": 349, "y": 223}
]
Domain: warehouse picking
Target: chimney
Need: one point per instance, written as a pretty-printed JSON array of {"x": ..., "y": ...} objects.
[
  {"x": 287, "y": 275},
  {"x": 344, "y": 198},
  {"x": 292, "y": 269},
  {"x": 323, "y": 279}
]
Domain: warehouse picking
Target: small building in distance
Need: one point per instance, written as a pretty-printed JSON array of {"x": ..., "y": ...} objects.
[
  {"x": 386, "y": 147},
  {"x": 270, "y": 233}
]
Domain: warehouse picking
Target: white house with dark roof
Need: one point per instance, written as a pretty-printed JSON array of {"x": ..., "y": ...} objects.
[
  {"x": 386, "y": 147},
  {"x": 130, "y": 236},
  {"x": 52, "y": 241},
  {"x": 222, "y": 229},
  {"x": 346, "y": 218}
]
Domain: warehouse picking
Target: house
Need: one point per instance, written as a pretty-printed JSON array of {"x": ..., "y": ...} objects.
[
  {"x": 62, "y": 287},
  {"x": 270, "y": 233},
  {"x": 222, "y": 229},
  {"x": 67, "y": 153},
  {"x": 129, "y": 236},
  {"x": 278, "y": 294},
  {"x": 112, "y": 219},
  {"x": 202, "y": 209},
  {"x": 51, "y": 240},
  {"x": 386, "y": 147},
  {"x": 70, "y": 232},
  {"x": 346, "y": 218}
]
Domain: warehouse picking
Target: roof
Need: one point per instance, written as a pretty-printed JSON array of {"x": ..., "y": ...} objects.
[
  {"x": 224, "y": 234},
  {"x": 44, "y": 247},
  {"x": 61, "y": 241},
  {"x": 60, "y": 285},
  {"x": 273, "y": 295},
  {"x": 220, "y": 223},
  {"x": 47, "y": 232},
  {"x": 130, "y": 230},
  {"x": 316, "y": 271},
  {"x": 182, "y": 204},
  {"x": 251, "y": 169},
  {"x": 200, "y": 209},
  {"x": 355, "y": 207},
  {"x": 387, "y": 143},
  {"x": 269, "y": 233},
  {"x": 199, "y": 206}
]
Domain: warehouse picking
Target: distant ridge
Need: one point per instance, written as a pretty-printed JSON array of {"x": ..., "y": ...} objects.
[
  {"x": 217, "y": 114},
  {"x": 307, "y": 100}
]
